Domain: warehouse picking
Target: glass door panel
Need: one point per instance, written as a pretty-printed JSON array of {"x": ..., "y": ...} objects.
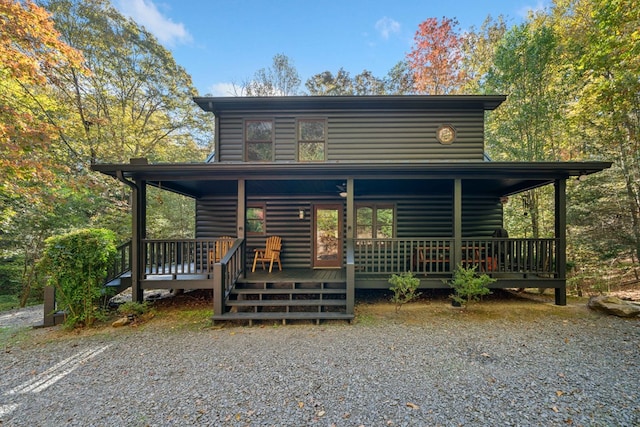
[{"x": 327, "y": 236}]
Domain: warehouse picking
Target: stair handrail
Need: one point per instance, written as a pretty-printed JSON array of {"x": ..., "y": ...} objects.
[
  {"x": 226, "y": 273},
  {"x": 121, "y": 263}
]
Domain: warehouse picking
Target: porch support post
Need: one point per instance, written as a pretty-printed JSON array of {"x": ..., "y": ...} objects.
[
  {"x": 242, "y": 211},
  {"x": 138, "y": 233},
  {"x": 242, "y": 204},
  {"x": 351, "y": 268},
  {"x": 561, "y": 236},
  {"x": 456, "y": 255}
]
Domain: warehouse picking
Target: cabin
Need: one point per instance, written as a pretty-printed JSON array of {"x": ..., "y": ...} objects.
[{"x": 356, "y": 188}]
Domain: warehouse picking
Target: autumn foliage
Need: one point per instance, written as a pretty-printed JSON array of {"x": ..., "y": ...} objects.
[
  {"x": 30, "y": 50},
  {"x": 435, "y": 58},
  {"x": 30, "y": 45}
]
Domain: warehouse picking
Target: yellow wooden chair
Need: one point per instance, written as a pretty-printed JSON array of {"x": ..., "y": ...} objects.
[
  {"x": 222, "y": 246},
  {"x": 270, "y": 253}
]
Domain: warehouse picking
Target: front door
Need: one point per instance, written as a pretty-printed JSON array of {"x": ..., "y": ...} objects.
[{"x": 327, "y": 236}]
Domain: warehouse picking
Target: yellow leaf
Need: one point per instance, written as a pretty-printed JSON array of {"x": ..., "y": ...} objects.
[
  {"x": 559, "y": 393},
  {"x": 412, "y": 405},
  {"x": 301, "y": 405}
]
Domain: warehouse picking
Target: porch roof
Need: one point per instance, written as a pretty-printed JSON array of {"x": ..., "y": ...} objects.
[{"x": 496, "y": 178}]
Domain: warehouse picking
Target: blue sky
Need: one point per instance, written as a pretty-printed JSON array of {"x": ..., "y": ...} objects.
[{"x": 224, "y": 42}]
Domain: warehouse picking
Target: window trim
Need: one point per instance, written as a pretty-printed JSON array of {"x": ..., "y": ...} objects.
[
  {"x": 264, "y": 218},
  {"x": 374, "y": 220},
  {"x": 248, "y": 142},
  {"x": 299, "y": 139}
]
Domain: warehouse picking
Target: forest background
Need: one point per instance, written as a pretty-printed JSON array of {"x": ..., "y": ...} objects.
[{"x": 82, "y": 84}]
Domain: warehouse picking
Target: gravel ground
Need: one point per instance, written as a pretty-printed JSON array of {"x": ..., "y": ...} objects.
[
  {"x": 29, "y": 316},
  {"x": 549, "y": 371}
]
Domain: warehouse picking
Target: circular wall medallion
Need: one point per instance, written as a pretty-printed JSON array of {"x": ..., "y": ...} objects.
[{"x": 446, "y": 134}]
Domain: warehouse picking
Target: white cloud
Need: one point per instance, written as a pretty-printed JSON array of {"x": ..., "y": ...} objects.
[
  {"x": 387, "y": 26},
  {"x": 526, "y": 11},
  {"x": 225, "y": 89},
  {"x": 145, "y": 13}
]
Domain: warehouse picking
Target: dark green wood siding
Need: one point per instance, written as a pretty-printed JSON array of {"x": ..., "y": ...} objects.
[
  {"x": 404, "y": 136},
  {"x": 231, "y": 140},
  {"x": 428, "y": 216},
  {"x": 481, "y": 216},
  {"x": 361, "y": 136},
  {"x": 417, "y": 216},
  {"x": 216, "y": 217}
]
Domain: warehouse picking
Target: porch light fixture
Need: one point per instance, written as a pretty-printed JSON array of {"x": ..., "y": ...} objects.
[
  {"x": 342, "y": 190},
  {"x": 301, "y": 214}
]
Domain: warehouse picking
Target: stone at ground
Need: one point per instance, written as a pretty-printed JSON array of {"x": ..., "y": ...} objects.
[
  {"x": 613, "y": 305},
  {"x": 123, "y": 321},
  {"x": 148, "y": 295}
]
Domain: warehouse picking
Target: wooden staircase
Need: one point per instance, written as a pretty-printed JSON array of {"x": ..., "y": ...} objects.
[{"x": 289, "y": 300}]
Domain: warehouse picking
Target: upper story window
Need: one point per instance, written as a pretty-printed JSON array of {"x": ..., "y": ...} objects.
[
  {"x": 258, "y": 136},
  {"x": 311, "y": 140},
  {"x": 374, "y": 221}
]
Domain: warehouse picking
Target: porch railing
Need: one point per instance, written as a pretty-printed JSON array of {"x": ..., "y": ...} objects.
[
  {"x": 435, "y": 255},
  {"x": 387, "y": 256},
  {"x": 179, "y": 256}
]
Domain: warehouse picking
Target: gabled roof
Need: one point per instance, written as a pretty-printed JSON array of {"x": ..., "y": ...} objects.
[{"x": 219, "y": 105}]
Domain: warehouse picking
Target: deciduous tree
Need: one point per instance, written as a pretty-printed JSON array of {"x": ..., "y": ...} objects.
[
  {"x": 399, "y": 80},
  {"x": 137, "y": 102},
  {"x": 281, "y": 79},
  {"x": 328, "y": 84},
  {"x": 603, "y": 48},
  {"x": 30, "y": 52},
  {"x": 524, "y": 127},
  {"x": 435, "y": 57}
]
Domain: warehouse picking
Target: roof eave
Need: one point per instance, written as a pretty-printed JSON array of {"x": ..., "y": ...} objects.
[
  {"x": 219, "y": 105},
  {"x": 534, "y": 169}
]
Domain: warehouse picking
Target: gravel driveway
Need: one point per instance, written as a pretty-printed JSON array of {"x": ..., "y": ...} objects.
[{"x": 547, "y": 371}]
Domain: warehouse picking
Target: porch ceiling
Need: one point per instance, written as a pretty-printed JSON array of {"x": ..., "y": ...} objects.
[{"x": 493, "y": 178}]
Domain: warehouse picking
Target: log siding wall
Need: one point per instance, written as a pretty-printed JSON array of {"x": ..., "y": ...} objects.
[
  {"x": 422, "y": 216},
  {"x": 366, "y": 136}
]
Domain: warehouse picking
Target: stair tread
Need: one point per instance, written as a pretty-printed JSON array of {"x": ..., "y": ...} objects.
[
  {"x": 282, "y": 315},
  {"x": 302, "y": 302}
]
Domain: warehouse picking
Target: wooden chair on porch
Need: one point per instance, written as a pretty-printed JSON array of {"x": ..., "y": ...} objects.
[
  {"x": 270, "y": 253},
  {"x": 222, "y": 246}
]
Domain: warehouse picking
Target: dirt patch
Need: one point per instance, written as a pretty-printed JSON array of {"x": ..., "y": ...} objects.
[
  {"x": 627, "y": 294},
  {"x": 434, "y": 307}
]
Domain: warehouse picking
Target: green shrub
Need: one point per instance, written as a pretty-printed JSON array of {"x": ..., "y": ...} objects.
[
  {"x": 10, "y": 276},
  {"x": 404, "y": 288},
  {"x": 469, "y": 286},
  {"x": 76, "y": 265},
  {"x": 133, "y": 308}
]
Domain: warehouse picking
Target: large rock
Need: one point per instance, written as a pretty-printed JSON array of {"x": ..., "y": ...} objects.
[
  {"x": 613, "y": 305},
  {"x": 123, "y": 321}
]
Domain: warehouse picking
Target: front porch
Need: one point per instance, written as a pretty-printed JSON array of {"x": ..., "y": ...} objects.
[
  {"x": 299, "y": 293},
  {"x": 427, "y": 218}
]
